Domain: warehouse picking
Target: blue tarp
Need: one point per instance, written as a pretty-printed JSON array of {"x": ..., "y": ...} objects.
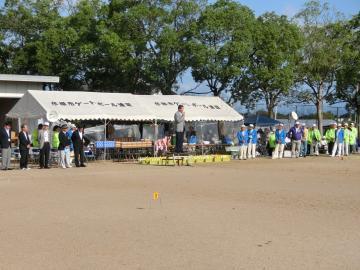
[{"x": 261, "y": 121}]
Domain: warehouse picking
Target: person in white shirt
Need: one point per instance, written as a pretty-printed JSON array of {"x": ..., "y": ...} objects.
[{"x": 44, "y": 144}]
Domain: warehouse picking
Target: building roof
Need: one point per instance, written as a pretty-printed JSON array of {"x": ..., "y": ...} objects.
[
  {"x": 10, "y": 95},
  {"x": 29, "y": 78}
]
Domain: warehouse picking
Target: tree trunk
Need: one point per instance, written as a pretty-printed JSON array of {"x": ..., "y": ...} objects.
[
  {"x": 270, "y": 108},
  {"x": 270, "y": 112},
  {"x": 319, "y": 113}
]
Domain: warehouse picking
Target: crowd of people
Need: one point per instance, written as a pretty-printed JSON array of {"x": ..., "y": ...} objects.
[
  {"x": 339, "y": 140},
  {"x": 64, "y": 139}
]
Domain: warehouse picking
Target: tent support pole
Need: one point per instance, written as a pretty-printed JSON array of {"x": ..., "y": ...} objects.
[
  {"x": 105, "y": 141},
  {"x": 155, "y": 136},
  {"x": 202, "y": 139}
]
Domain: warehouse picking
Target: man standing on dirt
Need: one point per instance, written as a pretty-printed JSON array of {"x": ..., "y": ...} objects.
[
  {"x": 5, "y": 145},
  {"x": 252, "y": 137},
  {"x": 179, "y": 118},
  {"x": 353, "y": 138},
  {"x": 314, "y": 140},
  {"x": 330, "y": 136},
  {"x": 295, "y": 134}
]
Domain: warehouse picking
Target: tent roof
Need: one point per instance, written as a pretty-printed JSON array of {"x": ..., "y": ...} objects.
[
  {"x": 54, "y": 105},
  {"x": 70, "y": 105},
  {"x": 261, "y": 120},
  {"x": 197, "y": 108}
]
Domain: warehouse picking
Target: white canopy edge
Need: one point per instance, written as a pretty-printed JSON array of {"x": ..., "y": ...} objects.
[{"x": 71, "y": 105}]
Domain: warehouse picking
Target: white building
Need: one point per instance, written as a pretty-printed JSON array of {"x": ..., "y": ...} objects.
[{"x": 12, "y": 88}]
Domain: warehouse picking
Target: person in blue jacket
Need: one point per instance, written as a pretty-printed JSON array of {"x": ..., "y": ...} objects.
[
  {"x": 339, "y": 142},
  {"x": 243, "y": 139},
  {"x": 280, "y": 136},
  {"x": 252, "y": 141}
]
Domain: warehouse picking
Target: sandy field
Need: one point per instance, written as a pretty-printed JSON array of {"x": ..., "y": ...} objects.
[{"x": 257, "y": 214}]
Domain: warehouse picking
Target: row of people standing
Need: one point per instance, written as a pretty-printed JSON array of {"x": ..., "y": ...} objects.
[
  {"x": 61, "y": 140},
  {"x": 340, "y": 139},
  {"x": 247, "y": 138}
]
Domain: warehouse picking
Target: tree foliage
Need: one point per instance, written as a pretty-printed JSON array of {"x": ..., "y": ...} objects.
[
  {"x": 222, "y": 45},
  {"x": 145, "y": 47},
  {"x": 271, "y": 71}
]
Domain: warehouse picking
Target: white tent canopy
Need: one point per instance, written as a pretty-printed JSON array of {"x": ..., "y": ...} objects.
[
  {"x": 54, "y": 105},
  {"x": 197, "y": 108}
]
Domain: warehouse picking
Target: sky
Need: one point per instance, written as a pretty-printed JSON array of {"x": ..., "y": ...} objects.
[{"x": 291, "y": 7}]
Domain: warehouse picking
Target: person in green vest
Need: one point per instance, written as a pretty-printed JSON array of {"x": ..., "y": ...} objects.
[
  {"x": 330, "y": 136},
  {"x": 314, "y": 140},
  {"x": 353, "y": 138},
  {"x": 272, "y": 142},
  {"x": 55, "y": 137},
  {"x": 347, "y": 137},
  {"x": 34, "y": 136}
]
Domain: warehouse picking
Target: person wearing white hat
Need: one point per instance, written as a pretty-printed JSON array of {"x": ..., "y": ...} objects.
[
  {"x": 314, "y": 138},
  {"x": 353, "y": 138},
  {"x": 295, "y": 134},
  {"x": 339, "y": 142},
  {"x": 280, "y": 136},
  {"x": 252, "y": 141},
  {"x": 44, "y": 145},
  {"x": 347, "y": 136},
  {"x": 242, "y": 136}
]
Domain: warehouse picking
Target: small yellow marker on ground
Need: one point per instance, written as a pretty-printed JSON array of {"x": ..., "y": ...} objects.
[{"x": 156, "y": 196}]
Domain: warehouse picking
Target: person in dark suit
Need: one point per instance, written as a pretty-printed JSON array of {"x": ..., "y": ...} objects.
[
  {"x": 5, "y": 145},
  {"x": 79, "y": 141},
  {"x": 24, "y": 146}
]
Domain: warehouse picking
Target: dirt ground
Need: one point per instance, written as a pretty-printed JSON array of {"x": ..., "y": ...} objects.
[{"x": 255, "y": 214}]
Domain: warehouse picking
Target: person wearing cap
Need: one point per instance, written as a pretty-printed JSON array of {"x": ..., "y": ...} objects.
[
  {"x": 330, "y": 136},
  {"x": 338, "y": 148},
  {"x": 64, "y": 148},
  {"x": 272, "y": 142},
  {"x": 5, "y": 145},
  {"x": 252, "y": 140},
  {"x": 78, "y": 141},
  {"x": 280, "y": 136},
  {"x": 295, "y": 134},
  {"x": 243, "y": 139},
  {"x": 44, "y": 145},
  {"x": 354, "y": 137},
  {"x": 347, "y": 136},
  {"x": 304, "y": 140},
  {"x": 35, "y": 135},
  {"x": 24, "y": 146},
  {"x": 314, "y": 140}
]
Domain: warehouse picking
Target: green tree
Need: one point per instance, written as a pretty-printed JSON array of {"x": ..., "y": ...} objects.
[
  {"x": 271, "y": 72},
  {"x": 348, "y": 76},
  {"x": 151, "y": 39},
  {"x": 321, "y": 54},
  {"x": 221, "y": 49}
]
